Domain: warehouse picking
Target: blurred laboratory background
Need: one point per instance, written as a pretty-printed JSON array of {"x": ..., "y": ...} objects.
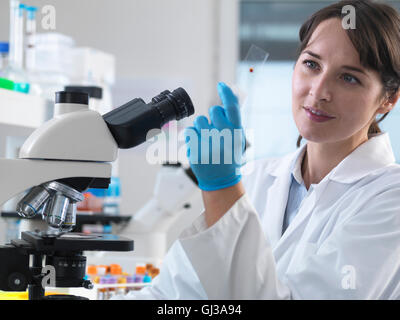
[{"x": 118, "y": 50}]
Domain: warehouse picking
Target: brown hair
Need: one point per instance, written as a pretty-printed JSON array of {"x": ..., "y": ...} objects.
[{"x": 376, "y": 39}]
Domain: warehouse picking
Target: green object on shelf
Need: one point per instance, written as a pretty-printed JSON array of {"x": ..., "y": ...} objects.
[
  {"x": 6, "y": 84},
  {"x": 22, "y": 87}
]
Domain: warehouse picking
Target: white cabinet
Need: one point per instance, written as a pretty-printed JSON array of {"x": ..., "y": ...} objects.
[{"x": 23, "y": 110}]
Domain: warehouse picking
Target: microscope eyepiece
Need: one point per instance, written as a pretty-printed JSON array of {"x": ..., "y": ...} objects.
[
  {"x": 131, "y": 123},
  {"x": 174, "y": 105},
  {"x": 72, "y": 97}
]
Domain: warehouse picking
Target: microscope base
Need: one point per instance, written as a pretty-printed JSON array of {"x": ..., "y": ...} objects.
[{"x": 62, "y": 256}]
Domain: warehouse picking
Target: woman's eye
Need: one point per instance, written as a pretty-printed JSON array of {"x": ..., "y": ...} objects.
[
  {"x": 310, "y": 64},
  {"x": 350, "y": 79}
]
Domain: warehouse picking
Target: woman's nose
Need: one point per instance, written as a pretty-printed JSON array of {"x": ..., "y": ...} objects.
[{"x": 320, "y": 89}]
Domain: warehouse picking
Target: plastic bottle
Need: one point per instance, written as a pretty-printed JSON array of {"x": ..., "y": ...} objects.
[
  {"x": 154, "y": 272},
  {"x": 15, "y": 71},
  {"x": 146, "y": 278},
  {"x": 107, "y": 229},
  {"x": 6, "y": 84},
  {"x": 92, "y": 271},
  {"x": 4, "y": 66},
  {"x": 23, "y": 87},
  {"x": 4, "y": 51},
  {"x": 102, "y": 270},
  {"x": 96, "y": 279},
  {"x": 95, "y": 202},
  {"x": 130, "y": 279},
  {"x": 138, "y": 278},
  {"x": 141, "y": 269},
  {"x": 149, "y": 267},
  {"x": 115, "y": 269},
  {"x": 140, "y": 273},
  {"x": 113, "y": 197}
]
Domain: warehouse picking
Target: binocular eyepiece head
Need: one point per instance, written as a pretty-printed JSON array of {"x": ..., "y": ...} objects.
[{"x": 131, "y": 123}]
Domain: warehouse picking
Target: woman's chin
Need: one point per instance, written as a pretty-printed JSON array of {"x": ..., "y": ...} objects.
[{"x": 316, "y": 136}]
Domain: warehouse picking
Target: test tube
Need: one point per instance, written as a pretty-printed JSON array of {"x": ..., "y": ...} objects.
[
  {"x": 14, "y": 7},
  {"x": 112, "y": 290},
  {"x": 121, "y": 289},
  {"x": 102, "y": 293},
  {"x": 19, "y": 37},
  {"x": 30, "y": 51}
]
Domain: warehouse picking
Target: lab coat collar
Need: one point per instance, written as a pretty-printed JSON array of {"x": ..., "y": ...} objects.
[
  {"x": 296, "y": 166},
  {"x": 289, "y": 161},
  {"x": 372, "y": 155}
]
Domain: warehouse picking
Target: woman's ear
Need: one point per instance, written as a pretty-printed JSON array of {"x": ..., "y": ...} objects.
[{"x": 389, "y": 103}]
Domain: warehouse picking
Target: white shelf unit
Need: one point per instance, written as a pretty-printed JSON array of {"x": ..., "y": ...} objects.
[{"x": 23, "y": 110}]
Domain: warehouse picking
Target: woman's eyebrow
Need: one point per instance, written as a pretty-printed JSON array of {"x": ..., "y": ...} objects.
[
  {"x": 355, "y": 69},
  {"x": 313, "y": 54},
  {"x": 352, "y": 68}
]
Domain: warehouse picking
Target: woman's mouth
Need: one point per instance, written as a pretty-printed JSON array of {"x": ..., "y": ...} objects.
[{"x": 317, "y": 115}]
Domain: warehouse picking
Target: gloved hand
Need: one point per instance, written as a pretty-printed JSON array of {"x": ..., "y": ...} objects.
[{"x": 215, "y": 150}]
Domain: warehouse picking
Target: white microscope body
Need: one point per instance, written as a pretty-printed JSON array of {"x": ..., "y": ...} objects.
[
  {"x": 74, "y": 150},
  {"x": 61, "y": 159},
  {"x": 58, "y": 150}
]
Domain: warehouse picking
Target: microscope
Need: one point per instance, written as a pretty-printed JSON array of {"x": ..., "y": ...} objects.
[{"x": 57, "y": 163}]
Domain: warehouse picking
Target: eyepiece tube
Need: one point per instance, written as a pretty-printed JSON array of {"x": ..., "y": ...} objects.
[
  {"x": 173, "y": 106},
  {"x": 130, "y": 123}
]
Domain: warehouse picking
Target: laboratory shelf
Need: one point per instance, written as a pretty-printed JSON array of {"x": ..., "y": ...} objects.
[
  {"x": 137, "y": 285},
  {"x": 24, "y": 110}
]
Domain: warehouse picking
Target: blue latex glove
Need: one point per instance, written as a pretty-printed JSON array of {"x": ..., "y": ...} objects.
[{"x": 216, "y": 163}]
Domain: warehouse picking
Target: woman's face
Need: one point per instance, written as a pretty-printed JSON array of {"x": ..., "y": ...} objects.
[{"x": 334, "y": 98}]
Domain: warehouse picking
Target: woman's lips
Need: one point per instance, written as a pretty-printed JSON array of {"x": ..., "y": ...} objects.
[{"x": 317, "y": 115}]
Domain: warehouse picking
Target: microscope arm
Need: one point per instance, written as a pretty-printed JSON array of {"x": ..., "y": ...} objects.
[{"x": 81, "y": 135}]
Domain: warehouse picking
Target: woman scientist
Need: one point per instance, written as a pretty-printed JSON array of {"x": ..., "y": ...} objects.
[{"x": 323, "y": 222}]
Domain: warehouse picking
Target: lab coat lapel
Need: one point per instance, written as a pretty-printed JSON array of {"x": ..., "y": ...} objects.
[
  {"x": 307, "y": 206},
  {"x": 277, "y": 197},
  {"x": 373, "y": 155}
]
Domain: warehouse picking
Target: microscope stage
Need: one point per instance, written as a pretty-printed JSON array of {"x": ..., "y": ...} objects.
[{"x": 75, "y": 242}]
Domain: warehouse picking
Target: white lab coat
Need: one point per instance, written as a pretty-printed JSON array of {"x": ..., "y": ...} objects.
[{"x": 344, "y": 242}]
